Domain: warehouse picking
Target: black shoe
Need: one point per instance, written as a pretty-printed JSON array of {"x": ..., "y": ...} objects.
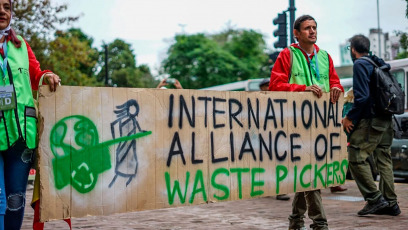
[
  {"x": 283, "y": 197},
  {"x": 374, "y": 207},
  {"x": 392, "y": 211},
  {"x": 337, "y": 189}
]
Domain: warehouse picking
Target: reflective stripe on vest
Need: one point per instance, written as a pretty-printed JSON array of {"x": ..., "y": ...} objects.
[
  {"x": 24, "y": 125},
  {"x": 303, "y": 74}
]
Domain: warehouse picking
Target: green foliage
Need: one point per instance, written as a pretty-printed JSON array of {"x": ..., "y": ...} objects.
[
  {"x": 72, "y": 58},
  {"x": 146, "y": 77},
  {"x": 86, "y": 66},
  {"x": 406, "y": 11},
  {"x": 36, "y": 20},
  {"x": 122, "y": 67},
  {"x": 249, "y": 46},
  {"x": 199, "y": 61},
  {"x": 70, "y": 53},
  {"x": 38, "y": 16},
  {"x": 403, "y": 44},
  {"x": 404, "y": 40}
]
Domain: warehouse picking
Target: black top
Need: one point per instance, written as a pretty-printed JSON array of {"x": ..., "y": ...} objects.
[{"x": 363, "y": 101}]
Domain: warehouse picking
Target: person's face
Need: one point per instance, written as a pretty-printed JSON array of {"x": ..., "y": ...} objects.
[
  {"x": 353, "y": 54},
  {"x": 307, "y": 33},
  {"x": 5, "y": 14}
]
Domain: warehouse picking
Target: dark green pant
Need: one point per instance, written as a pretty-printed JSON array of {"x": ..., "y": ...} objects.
[
  {"x": 312, "y": 202},
  {"x": 373, "y": 137}
]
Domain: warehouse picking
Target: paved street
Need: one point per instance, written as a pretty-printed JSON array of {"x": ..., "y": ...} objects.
[{"x": 263, "y": 213}]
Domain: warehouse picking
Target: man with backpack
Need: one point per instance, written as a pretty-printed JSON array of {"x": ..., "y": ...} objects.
[{"x": 371, "y": 130}]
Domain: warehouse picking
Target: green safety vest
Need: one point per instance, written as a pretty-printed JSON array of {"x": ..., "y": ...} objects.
[
  {"x": 22, "y": 121},
  {"x": 303, "y": 74}
]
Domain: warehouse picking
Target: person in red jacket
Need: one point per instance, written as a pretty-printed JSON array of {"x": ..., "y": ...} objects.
[
  {"x": 305, "y": 67},
  {"x": 20, "y": 73}
]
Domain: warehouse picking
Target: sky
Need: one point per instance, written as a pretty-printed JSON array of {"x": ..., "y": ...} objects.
[{"x": 150, "y": 25}]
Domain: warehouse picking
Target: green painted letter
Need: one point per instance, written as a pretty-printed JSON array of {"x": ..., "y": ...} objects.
[
  {"x": 256, "y": 182},
  {"x": 279, "y": 177},
  {"x": 171, "y": 194},
  {"x": 336, "y": 168},
  {"x": 329, "y": 174},
  {"x": 239, "y": 172},
  {"x": 343, "y": 168},
  {"x": 302, "y": 183},
  {"x": 198, "y": 177},
  {"x": 318, "y": 173},
  {"x": 221, "y": 187}
]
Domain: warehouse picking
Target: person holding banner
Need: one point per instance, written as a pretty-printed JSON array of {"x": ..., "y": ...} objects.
[
  {"x": 370, "y": 133},
  {"x": 305, "y": 67},
  {"x": 20, "y": 74}
]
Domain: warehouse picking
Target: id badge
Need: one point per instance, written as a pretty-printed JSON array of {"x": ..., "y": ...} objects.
[{"x": 7, "y": 98}]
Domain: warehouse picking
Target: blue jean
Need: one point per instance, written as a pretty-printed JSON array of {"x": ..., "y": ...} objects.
[{"x": 15, "y": 164}]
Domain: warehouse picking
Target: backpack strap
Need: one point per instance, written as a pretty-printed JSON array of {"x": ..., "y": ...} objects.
[
  {"x": 375, "y": 66},
  {"x": 383, "y": 67},
  {"x": 369, "y": 60}
]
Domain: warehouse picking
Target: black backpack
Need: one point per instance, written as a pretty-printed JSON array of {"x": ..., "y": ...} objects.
[{"x": 389, "y": 97}]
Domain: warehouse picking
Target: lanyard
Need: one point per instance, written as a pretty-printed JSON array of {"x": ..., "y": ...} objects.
[
  {"x": 4, "y": 64},
  {"x": 315, "y": 65}
]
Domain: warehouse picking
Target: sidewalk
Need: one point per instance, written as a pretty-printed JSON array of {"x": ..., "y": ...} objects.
[{"x": 263, "y": 213}]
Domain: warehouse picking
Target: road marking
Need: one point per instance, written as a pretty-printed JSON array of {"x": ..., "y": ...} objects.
[{"x": 345, "y": 198}]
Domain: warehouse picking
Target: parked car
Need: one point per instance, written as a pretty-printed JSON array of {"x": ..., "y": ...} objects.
[{"x": 399, "y": 147}]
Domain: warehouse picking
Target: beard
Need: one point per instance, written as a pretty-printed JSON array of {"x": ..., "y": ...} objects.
[{"x": 353, "y": 56}]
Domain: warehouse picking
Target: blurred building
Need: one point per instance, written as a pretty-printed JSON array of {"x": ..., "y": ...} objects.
[
  {"x": 390, "y": 46},
  {"x": 345, "y": 58}
]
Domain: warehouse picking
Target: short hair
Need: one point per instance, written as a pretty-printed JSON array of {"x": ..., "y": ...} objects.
[
  {"x": 360, "y": 43},
  {"x": 264, "y": 82},
  {"x": 301, "y": 19}
]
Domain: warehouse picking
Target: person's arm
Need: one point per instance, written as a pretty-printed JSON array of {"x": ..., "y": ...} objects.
[
  {"x": 36, "y": 73},
  {"x": 280, "y": 74},
  {"x": 334, "y": 81},
  {"x": 177, "y": 84},
  {"x": 161, "y": 83}
]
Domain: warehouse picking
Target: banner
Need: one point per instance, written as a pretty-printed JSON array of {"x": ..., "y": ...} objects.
[{"x": 112, "y": 150}]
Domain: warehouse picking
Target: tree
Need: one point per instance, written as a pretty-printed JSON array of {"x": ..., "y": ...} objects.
[
  {"x": 87, "y": 67},
  {"x": 404, "y": 45},
  {"x": 37, "y": 20},
  {"x": 146, "y": 77},
  {"x": 200, "y": 60},
  {"x": 73, "y": 58},
  {"x": 249, "y": 46},
  {"x": 406, "y": 11},
  {"x": 403, "y": 40},
  {"x": 122, "y": 67},
  {"x": 197, "y": 62}
]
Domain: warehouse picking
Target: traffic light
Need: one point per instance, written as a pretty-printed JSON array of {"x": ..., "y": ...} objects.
[{"x": 281, "y": 33}]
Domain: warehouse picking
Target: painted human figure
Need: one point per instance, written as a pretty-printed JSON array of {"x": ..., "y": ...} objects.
[{"x": 126, "y": 125}]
